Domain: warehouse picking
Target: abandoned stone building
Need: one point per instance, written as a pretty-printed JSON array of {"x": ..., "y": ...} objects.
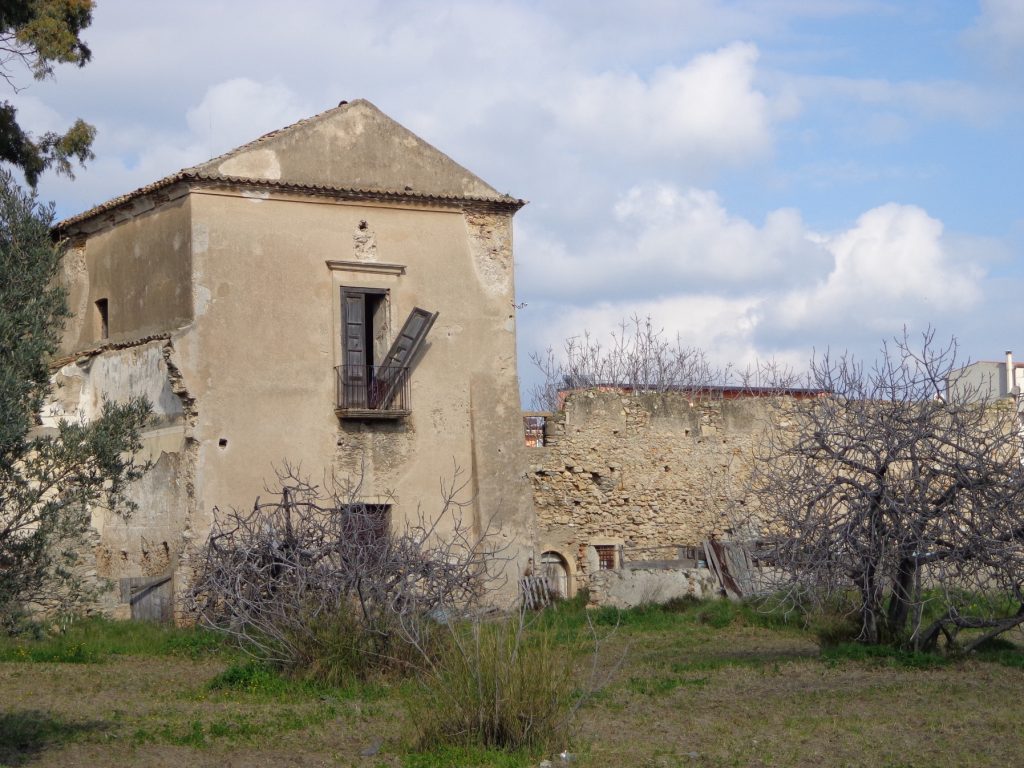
[{"x": 337, "y": 294}]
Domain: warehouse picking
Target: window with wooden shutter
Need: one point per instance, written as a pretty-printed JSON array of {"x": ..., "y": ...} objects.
[
  {"x": 373, "y": 383},
  {"x": 400, "y": 357}
]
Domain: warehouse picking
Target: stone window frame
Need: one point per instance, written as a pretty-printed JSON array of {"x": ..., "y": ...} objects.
[{"x": 589, "y": 552}]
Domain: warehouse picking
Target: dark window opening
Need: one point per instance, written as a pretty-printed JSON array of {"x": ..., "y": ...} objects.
[
  {"x": 103, "y": 317},
  {"x": 606, "y": 556}
]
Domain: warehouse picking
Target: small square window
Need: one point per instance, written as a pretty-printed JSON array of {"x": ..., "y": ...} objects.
[{"x": 606, "y": 556}]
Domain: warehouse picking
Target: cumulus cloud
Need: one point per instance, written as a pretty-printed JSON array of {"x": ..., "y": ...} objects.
[
  {"x": 707, "y": 110},
  {"x": 130, "y": 155},
  {"x": 661, "y": 239},
  {"x": 892, "y": 267},
  {"x": 239, "y": 110},
  {"x": 791, "y": 288}
]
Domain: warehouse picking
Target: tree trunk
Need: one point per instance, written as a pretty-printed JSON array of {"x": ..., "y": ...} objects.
[{"x": 900, "y": 599}]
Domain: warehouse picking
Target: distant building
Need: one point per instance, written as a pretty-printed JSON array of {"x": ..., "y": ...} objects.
[{"x": 988, "y": 379}]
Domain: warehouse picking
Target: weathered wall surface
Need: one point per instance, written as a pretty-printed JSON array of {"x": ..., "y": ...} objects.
[
  {"x": 151, "y": 541},
  {"x": 248, "y": 382},
  {"x": 268, "y": 273},
  {"x": 141, "y": 266},
  {"x": 630, "y": 587},
  {"x": 224, "y": 299},
  {"x": 642, "y": 471}
]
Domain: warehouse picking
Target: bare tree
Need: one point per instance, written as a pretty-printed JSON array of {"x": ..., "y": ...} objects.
[
  {"x": 318, "y": 564},
  {"x": 640, "y": 358},
  {"x": 902, "y": 491}
]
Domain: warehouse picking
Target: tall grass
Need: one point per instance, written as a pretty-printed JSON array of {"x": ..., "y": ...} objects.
[{"x": 508, "y": 684}]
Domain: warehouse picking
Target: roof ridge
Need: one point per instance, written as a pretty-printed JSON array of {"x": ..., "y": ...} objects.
[{"x": 270, "y": 135}]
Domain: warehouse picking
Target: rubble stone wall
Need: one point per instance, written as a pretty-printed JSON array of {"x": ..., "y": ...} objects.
[{"x": 643, "y": 471}]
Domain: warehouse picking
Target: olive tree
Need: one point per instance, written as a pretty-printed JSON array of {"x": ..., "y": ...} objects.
[
  {"x": 901, "y": 491},
  {"x": 48, "y": 479}
]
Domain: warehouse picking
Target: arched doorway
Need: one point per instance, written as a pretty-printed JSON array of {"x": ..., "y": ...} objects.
[{"x": 554, "y": 567}]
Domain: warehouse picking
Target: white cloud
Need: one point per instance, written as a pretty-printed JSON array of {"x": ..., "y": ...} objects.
[
  {"x": 663, "y": 240},
  {"x": 998, "y": 32},
  {"x": 892, "y": 267},
  {"x": 707, "y": 110},
  {"x": 933, "y": 99},
  {"x": 790, "y": 287},
  {"x": 130, "y": 155}
]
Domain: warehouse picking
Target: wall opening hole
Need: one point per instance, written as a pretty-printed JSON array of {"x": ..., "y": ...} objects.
[
  {"x": 223, "y": 442},
  {"x": 103, "y": 319}
]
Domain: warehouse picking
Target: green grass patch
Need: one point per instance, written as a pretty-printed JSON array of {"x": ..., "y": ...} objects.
[
  {"x": 660, "y": 686},
  {"x": 25, "y": 734},
  {"x": 95, "y": 639},
  {"x": 466, "y": 757},
  {"x": 260, "y": 681},
  {"x": 884, "y": 655},
  {"x": 232, "y": 727}
]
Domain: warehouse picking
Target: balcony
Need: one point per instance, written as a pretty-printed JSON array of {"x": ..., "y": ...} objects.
[{"x": 372, "y": 392}]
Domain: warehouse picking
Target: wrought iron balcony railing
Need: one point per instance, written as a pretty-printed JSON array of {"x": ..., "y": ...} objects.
[{"x": 373, "y": 391}]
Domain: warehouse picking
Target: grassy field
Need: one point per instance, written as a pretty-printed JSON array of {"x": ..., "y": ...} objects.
[{"x": 714, "y": 685}]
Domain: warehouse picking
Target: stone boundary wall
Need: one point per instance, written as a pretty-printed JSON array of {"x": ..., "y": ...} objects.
[
  {"x": 630, "y": 587},
  {"x": 642, "y": 471}
]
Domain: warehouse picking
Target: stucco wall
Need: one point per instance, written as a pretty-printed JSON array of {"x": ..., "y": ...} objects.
[
  {"x": 141, "y": 266},
  {"x": 267, "y": 337},
  {"x": 242, "y": 375}
]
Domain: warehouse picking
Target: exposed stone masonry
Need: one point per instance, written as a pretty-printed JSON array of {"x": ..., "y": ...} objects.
[{"x": 642, "y": 471}]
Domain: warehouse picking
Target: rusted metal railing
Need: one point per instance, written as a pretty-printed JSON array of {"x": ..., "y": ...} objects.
[{"x": 373, "y": 389}]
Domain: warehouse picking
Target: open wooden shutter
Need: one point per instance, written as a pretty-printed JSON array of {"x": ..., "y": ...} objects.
[
  {"x": 400, "y": 356},
  {"x": 354, "y": 379}
]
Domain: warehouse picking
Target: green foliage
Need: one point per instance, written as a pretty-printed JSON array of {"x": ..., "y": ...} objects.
[
  {"x": 47, "y": 480},
  {"x": 37, "y": 34},
  {"x": 832, "y": 627},
  {"x": 505, "y": 685}
]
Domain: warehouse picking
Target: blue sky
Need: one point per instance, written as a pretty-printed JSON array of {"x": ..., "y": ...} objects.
[{"x": 762, "y": 178}]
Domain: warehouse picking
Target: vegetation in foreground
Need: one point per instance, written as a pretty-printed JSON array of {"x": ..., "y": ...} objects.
[{"x": 685, "y": 684}]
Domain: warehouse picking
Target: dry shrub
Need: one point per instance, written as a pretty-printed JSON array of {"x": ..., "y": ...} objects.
[{"x": 317, "y": 583}]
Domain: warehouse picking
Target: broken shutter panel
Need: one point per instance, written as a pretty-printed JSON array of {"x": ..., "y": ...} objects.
[
  {"x": 353, "y": 341},
  {"x": 401, "y": 355}
]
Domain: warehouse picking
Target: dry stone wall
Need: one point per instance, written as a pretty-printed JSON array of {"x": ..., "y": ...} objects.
[{"x": 643, "y": 471}]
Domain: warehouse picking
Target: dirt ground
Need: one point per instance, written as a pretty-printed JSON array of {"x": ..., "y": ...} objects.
[{"x": 741, "y": 696}]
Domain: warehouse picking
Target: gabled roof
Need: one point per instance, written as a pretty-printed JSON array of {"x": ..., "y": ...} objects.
[{"x": 352, "y": 150}]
